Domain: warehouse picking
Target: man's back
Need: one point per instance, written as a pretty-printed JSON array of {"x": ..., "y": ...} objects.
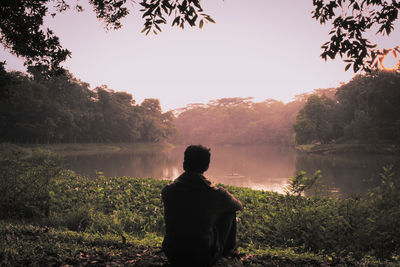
[{"x": 193, "y": 208}]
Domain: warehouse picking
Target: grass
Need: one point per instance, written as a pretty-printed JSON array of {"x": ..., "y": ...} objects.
[
  {"x": 27, "y": 244},
  {"x": 74, "y": 220}
]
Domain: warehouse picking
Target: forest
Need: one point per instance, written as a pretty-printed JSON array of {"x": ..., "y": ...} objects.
[
  {"x": 64, "y": 110},
  {"x": 365, "y": 110},
  {"x": 241, "y": 121}
]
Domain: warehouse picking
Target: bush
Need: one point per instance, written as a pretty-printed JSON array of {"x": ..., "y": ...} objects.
[{"x": 24, "y": 187}]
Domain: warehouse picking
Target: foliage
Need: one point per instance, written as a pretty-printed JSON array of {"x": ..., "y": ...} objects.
[
  {"x": 22, "y": 31},
  {"x": 108, "y": 205},
  {"x": 237, "y": 121},
  {"x": 313, "y": 122},
  {"x": 26, "y": 244},
  {"x": 240, "y": 121},
  {"x": 300, "y": 183},
  {"x": 64, "y": 109},
  {"x": 365, "y": 110},
  {"x": 351, "y": 21},
  {"x": 24, "y": 187},
  {"x": 384, "y": 202},
  {"x": 335, "y": 231}
]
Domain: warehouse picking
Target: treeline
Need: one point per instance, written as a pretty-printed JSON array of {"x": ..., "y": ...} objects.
[
  {"x": 239, "y": 121},
  {"x": 64, "y": 109},
  {"x": 364, "y": 110}
]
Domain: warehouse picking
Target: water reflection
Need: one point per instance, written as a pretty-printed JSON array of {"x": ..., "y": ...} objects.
[
  {"x": 257, "y": 167},
  {"x": 349, "y": 173}
]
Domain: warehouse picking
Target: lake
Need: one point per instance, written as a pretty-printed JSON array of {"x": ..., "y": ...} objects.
[{"x": 257, "y": 167}]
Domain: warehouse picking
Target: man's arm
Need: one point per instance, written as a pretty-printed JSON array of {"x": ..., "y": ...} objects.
[{"x": 226, "y": 202}]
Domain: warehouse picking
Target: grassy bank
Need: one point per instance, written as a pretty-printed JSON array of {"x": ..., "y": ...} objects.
[
  {"x": 8, "y": 150},
  {"x": 27, "y": 244},
  {"x": 53, "y": 216},
  {"x": 350, "y": 148}
]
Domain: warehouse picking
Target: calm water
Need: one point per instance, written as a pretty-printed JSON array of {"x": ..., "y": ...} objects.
[{"x": 257, "y": 167}]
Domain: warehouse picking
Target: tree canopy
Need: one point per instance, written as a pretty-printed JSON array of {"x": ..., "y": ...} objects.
[
  {"x": 63, "y": 109},
  {"x": 23, "y": 34},
  {"x": 351, "y": 21},
  {"x": 238, "y": 121},
  {"x": 364, "y": 110}
]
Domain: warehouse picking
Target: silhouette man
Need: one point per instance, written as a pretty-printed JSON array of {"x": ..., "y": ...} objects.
[{"x": 200, "y": 218}]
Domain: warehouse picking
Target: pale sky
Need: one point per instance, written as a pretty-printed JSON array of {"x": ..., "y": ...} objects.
[{"x": 257, "y": 48}]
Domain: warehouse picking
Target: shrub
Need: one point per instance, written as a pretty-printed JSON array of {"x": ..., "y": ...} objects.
[{"x": 24, "y": 187}]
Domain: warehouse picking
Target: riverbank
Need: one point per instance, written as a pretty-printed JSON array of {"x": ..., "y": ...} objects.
[
  {"x": 25, "y": 151},
  {"x": 58, "y": 217},
  {"x": 27, "y": 244},
  {"x": 389, "y": 149}
]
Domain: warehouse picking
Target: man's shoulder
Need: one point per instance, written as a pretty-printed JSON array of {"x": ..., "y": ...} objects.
[{"x": 167, "y": 188}]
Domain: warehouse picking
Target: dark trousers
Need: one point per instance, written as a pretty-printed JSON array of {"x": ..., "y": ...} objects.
[
  {"x": 224, "y": 245},
  {"x": 226, "y": 227}
]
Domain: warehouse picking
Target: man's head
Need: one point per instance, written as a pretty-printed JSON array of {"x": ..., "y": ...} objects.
[{"x": 197, "y": 159}]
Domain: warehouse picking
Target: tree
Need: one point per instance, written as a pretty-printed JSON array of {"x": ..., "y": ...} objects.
[
  {"x": 364, "y": 110},
  {"x": 64, "y": 109},
  {"x": 314, "y": 122},
  {"x": 237, "y": 121},
  {"x": 351, "y": 20},
  {"x": 368, "y": 107},
  {"x": 22, "y": 33}
]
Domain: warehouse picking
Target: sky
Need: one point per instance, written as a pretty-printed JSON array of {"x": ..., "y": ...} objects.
[{"x": 257, "y": 48}]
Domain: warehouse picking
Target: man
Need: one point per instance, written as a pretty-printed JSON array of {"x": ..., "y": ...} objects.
[{"x": 200, "y": 218}]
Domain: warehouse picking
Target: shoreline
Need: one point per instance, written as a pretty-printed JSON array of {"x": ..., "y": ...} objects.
[
  {"x": 388, "y": 149},
  {"x": 26, "y": 151}
]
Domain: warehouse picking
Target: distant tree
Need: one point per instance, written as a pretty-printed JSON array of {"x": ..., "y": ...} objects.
[
  {"x": 364, "y": 110},
  {"x": 63, "y": 109},
  {"x": 4, "y": 80},
  {"x": 23, "y": 34},
  {"x": 314, "y": 123},
  {"x": 368, "y": 107},
  {"x": 237, "y": 121},
  {"x": 155, "y": 125}
]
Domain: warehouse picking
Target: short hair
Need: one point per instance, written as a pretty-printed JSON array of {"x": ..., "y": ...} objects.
[{"x": 196, "y": 158}]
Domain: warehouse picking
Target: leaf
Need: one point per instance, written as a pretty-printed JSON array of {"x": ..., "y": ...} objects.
[
  {"x": 176, "y": 21},
  {"x": 209, "y": 19},
  {"x": 158, "y": 27},
  {"x": 159, "y": 21},
  {"x": 347, "y": 67},
  {"x": 201, "y": 24}
]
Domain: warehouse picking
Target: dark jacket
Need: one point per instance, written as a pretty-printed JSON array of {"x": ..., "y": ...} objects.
[{"x": 192, "y": 206}]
